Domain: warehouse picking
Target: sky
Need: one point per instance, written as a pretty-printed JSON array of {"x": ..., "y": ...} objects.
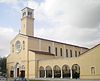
[{"x": 70, "y": 21}]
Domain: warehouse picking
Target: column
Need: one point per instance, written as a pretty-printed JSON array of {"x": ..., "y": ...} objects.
[
  {"x": 45, "y": 74},
  {"x": 14, "y": 71},
  {"x": 53, "y": 48},
  {"x": 71, "y": 73},
  {"x": 52, "y": 74},
  {"x": 38, "y": 73},
  {"x": 64, "y": 51},
  {"x": 61, "y": 74}
]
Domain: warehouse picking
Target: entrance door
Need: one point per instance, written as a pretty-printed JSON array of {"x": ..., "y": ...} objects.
[
  {"x": 11, "y": 73},
  {"x": 76, "y": 71},
  {"x": 17, "y": 72},
  {"x": 22, "y": 73}
]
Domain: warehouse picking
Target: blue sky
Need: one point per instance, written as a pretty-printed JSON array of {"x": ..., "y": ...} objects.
[{"x": 71, "y": 21}]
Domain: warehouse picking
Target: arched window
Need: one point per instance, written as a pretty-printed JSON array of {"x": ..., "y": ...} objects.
[
  {"x": 76, "y": 71},
  {"x": 48, "y": 72},
  {"x": 42, "y": 72},
  {"x": 66, "y": 52},
  {"x": 70, "y": 53},
  {"x": 61, "y": 51},
  {"x": 23, "y": 45},
  {"x": 57, "y": 71},
  {"x": 12, "y": 71},
  {"x": 79, "y": 53},
  {"x": 49, "y": 49},
  {"x": 66, "y": 71},
  {"x": 30, "y": 13},
  {"x": 24, "y": 13},
  {"x": 56, "y": 51},
  {"x": 75, "y": 53},
  {"x": 93, "y": 70}
]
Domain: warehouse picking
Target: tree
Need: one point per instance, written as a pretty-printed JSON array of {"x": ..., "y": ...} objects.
[{"x": 3, "y": 65}]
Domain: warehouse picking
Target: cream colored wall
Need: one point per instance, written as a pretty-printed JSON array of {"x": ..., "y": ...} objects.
[
  {"x": 43, "y": 57},
  {"x": 33, "y": 44},
  {"x": 88, "y": 60},
  {"x": 34, "y": 63},
  {"x": 85, "y": 61},
  {"x": 58, "y": 49},
  {"x": 21, "y": 57},
  {"x": 27, "y": 26},
  {"x": 45, "y": 44},
  {"x": 60, "y": 62},
  {"x": 42, "y": 45}
]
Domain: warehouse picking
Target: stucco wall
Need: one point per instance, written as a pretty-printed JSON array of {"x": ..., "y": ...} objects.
[
  {"x": 20, "y": 57},
  {"x": 85, "y": 61},
  {"x": 43, "y": 45},
  {"x": 88, "y": 60}
]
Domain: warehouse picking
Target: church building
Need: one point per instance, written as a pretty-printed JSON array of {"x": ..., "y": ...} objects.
[{"x": 33, "y": 57}]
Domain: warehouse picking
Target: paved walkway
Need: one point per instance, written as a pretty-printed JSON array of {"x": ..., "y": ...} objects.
[
  {"x": 56, "y": 79},
  {"x": 9, "y": 79}
]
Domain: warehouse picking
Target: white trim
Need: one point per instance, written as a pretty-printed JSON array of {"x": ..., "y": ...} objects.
[
  {"x": 64, "y": 51},
  {"x": 53, "y": 48}
]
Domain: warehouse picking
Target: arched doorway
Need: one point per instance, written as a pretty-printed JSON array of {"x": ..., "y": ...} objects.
[
  {"x": 16, "y": 70},
  {"x": 22, "y": 71},
  {"x": 42, "y": 72},
  {"x": 66, "y": 71},
  {"x": 48, "y": 72},
  {"x": 12, "y": 71},
  {"x": 76, "y": 71},
  {"x": 57, "y": 71}
]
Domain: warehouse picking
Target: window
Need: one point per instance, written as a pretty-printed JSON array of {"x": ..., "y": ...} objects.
[
  {"x": 66, "y": 52},
  {"x": 49, "y": 49},
  {"x": 23, "y": 45},
  {"x": 56, "y": 51},
  {"x": 29, "y": 13},
  {"x": 11, "y": 73},
  {"x": 70, "y": 53},
  {"x": 24, "y": 13},
  {"x": 18, "y": 46},
  {"x": 12, "y": 48},
  {"x": 93, "y": 70},
  {"x": 79, "y": 53},
  {"x": 61, "y": 51},
  {"x": 75, "y": 53}
]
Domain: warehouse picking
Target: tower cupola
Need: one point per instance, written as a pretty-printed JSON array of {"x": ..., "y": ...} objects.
[{"x": 27, "y": 22}]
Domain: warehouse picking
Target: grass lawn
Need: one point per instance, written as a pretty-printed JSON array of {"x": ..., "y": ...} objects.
[{"x": 35, "y": 80}]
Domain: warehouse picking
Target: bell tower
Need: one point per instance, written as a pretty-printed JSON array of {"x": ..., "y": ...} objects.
[{"x": 27, "y": 22}]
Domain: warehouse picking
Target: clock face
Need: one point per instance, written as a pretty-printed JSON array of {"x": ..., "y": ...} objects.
[{"x": 18, "y": 46}]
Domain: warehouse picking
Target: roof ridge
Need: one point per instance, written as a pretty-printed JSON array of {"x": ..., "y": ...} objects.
[{"x": 56, "y": 41}]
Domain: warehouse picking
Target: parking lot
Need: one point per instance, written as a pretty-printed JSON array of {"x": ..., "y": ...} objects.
[{"x": 3, "y": 79}]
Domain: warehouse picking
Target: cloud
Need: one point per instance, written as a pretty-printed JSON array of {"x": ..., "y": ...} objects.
[
  {"x": 75, "y": 12},
  {"x": 72, "y": 35},
  {"x": 71, "y": 21},
  {"x": 9, "y": 1},
  {"x": 6, "y": 35}
]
